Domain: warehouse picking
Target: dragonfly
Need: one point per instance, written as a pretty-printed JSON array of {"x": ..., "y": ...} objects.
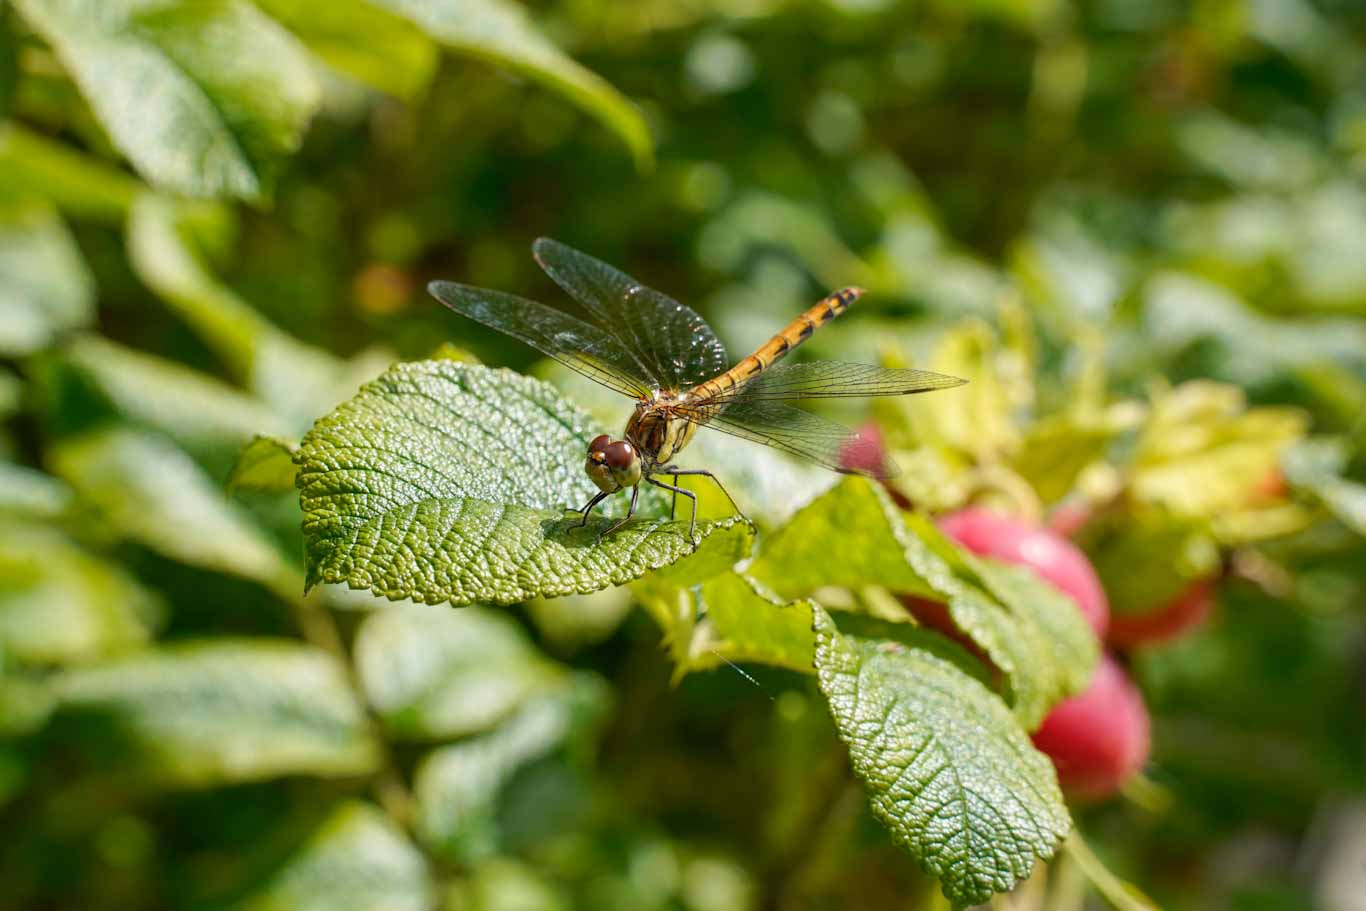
[{"x": 646, "y": 345}]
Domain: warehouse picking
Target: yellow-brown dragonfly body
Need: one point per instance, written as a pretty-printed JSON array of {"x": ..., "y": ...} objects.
[
  {"x": 652, "y": 348},
  {"x": 667, "y": 421}
]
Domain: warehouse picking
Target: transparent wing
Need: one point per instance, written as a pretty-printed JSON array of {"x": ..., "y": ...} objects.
[
  {"x": 578, "y": 345},
  {"x": 669, "y": 343},
  {"x": 835, "y": 379},
  {"x": 800, "y": 433}
]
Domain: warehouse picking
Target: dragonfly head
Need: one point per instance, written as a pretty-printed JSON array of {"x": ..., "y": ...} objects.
[{"x": 612, "y": 464}]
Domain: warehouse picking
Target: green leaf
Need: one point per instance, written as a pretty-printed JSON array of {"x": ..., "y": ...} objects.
[
  {"x": 9, "y": 62},
  {"x": 45, "y": 288},
  {"x": 228, "y": 711},
  {"x": 60, "y": 604},
  {"x": 457, "y": 787},
  {"x": 204, "y": 98},
  {"x": 433, "y": 672},
  {"x": 1203, "y": 451},
  {"x": 266, "y": 464},
  {"x": 152, "y": 492},
  {"x": 25, "y": 706},
  {"x": 1035, "y": 636},
  {"x": 1150, "y": 558},
  {"x": 26, "y": 492},
  {"x": 729, "y": 618},
  {"x": 361, "y": 40},
  {"x": 948, "y": 770},
  {"x": 196, "y": 410},
  {"x": 447, "y": 482},
  {"x": 78, "y": 184},
  {"x": 500, "y": 32},
  {"x": 357, "y": 860},
  {"x": 1058, "y": 448},
  {"x": 297, "y": 381},
  {"x": 813, "y": 550},
  {"x": 1316, "y": 466}
]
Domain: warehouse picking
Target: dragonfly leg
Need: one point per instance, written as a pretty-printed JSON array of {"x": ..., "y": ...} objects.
[
  {"x": 669, "y": 469},
  {"x": 635, "y": 495},
  {"x": 692, "y": 520},
  {"x": 597, "y": 498},
  {"x": 673, "y": 500}
]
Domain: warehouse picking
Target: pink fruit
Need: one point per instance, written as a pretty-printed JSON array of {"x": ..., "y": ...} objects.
[
  {"x": 1049, "y": 554},
  {"x": 1179, "y": 615},
  {"x": 1098, "y": 738}
]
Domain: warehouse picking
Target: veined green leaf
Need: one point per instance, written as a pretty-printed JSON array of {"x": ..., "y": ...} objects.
[
  {"x": 457, "y": 787},
  {"x": 448, "y": 482},
  {"x": 225, "y": 711},
  {"x": 152, "y": 492},
  {"x": 500, "y": 32},
  {"x": 204, "y": 98},
  {"x": 45, "y": 288},
  {"x": 1036, "y": 637},
  {"x": 60, "y": 604},
  {"x": 76, "y": 183},
  {"x": 357, "y": 860},
  {"x": 432, "y": 672},
  {"x": 362, "y": 40},
  {"x": 265, "y": 464},
  {"x": 947, "y": 768}
]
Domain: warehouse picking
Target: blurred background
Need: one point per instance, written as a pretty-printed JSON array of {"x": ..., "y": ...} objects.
[{"x": 1138, "y": 228}]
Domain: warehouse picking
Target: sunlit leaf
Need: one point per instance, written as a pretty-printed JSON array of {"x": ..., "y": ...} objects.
[
  {"x": 1203, "y": 451},
  {"x": 357, "y": 860},
  {"x": 457, "y": 787},
  {"x": 946, "y": 766},
  {"x": 78, "y": 184},
  {"x": 27, "y": 492},
  {"x": 362, "y": 40},
  {"x": 45, "y": 288},
  {"x": 228, "y": 710},
  {"x": 501, "y": 32},
  {"x": 431, "y": 672},
  {"x": 203, "y": 98},
  {"x": 61, "y": 604},
  {"x": 447, "y": 482},
  {"x": 196, "y": 410},
  {"x": 297, "y": 381},
  {"x": 150, "y": 491},
  {"x": 1317, "y": 466}
]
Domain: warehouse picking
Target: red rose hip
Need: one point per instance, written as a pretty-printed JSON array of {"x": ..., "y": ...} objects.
[{"x": 1098, "y": 738}]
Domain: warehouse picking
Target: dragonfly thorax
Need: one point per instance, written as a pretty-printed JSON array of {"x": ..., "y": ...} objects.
[{"x": 657, "y": 431}]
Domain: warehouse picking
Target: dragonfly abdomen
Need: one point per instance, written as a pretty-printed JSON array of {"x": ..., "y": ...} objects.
[{"x": 792, "y": 335}]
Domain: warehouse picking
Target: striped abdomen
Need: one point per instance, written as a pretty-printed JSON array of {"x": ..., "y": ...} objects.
[{"x": 796, "y": 332}]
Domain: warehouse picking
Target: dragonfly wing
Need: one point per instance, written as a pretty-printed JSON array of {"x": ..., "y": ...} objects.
[
  {"x": 670, "y": 343},
  {"x": 578, "y": 345},
  {"x": 800, "y": 433},
  {"x": 835, "y": 379}
]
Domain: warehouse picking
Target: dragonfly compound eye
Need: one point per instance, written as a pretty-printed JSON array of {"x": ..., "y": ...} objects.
[
  {"x": 619, "y": 454},
  {"x": 599, "y": 443}
]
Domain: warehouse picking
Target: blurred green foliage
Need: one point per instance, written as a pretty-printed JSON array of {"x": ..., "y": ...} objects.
[{"x": 1139, "y": 229}]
